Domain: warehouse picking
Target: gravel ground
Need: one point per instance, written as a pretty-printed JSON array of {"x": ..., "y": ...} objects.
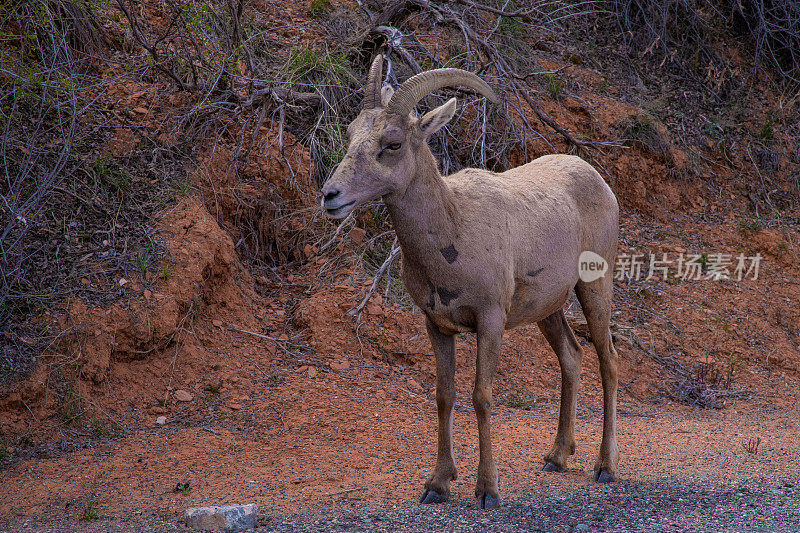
[
  {"x": 756, "y": 505},
  {"x": 751, "y": 505}
]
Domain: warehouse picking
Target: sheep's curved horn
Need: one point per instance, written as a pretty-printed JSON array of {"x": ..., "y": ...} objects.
[
  {"x": 372, "y": 92},
  {"x": 417, "y": 87}
]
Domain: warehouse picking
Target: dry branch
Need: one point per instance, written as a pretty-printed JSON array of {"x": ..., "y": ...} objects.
[
  {"x": 491, "y": 56},
  {"x": 378, "y": 276},
  {"x": 282, "y": 95}
]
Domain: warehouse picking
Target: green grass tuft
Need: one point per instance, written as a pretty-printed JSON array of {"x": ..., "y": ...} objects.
[
  {"x": 89, "y": 512},
  {"x": 319, "y": 7},
  {"x": 555, "y": 85}
]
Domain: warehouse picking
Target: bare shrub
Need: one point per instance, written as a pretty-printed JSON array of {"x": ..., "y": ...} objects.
[
  {"x": 70, "y": 218},
  {"x": 682, "y": 32}
]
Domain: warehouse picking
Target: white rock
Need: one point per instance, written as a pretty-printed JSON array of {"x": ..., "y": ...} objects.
[
  {"x": 229, "y": 518},
  {"x": 161, "y": 420}
]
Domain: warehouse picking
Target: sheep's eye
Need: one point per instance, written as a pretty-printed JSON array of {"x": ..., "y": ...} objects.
[{"x": 393, "y": 146}]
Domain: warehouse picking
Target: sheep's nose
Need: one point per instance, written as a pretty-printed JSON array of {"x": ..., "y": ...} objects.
[{"x": 330, "y": 194}]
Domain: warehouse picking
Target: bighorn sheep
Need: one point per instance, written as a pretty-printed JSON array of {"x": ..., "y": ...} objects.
[{"x": 485, "y": 252}]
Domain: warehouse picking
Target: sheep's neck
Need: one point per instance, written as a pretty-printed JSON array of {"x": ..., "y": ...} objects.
[{"x": 423, "y": 215}]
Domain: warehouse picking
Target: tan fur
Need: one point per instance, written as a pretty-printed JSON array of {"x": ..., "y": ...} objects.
[{"x": 486, "y": 252}]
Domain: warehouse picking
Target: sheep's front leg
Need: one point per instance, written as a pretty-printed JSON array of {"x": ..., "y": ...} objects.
[
  {"x": 490, "y": 336},
  {"x": 437, "y": 488}
]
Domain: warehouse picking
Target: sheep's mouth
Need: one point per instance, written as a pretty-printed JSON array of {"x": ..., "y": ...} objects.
[{"x": 341, "y": 211}]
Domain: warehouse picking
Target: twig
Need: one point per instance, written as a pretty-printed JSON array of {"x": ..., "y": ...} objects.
[
  {"x": 259, "y": 335},
  {"x": 389, "y": 259},
  {"x": 522, "y": 14},
  {"x": 278, "y": 342},
  {"x": 260, "y": 370},
  {"x": 337, "y": 232},
  {"x": 345, "y": 491}
]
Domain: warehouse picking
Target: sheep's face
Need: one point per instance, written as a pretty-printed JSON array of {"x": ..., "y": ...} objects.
[
  {"x": 377, "y": 162},
  {"x": 381, "y": 157}
]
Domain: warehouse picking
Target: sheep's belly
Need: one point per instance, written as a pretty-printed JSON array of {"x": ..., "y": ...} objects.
[
  {"x": 458, "y": 320},
  {"x": 532, "y": 304}
]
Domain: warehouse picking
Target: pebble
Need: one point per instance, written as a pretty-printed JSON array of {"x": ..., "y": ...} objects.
[
  {"x": 183, "y": 396},
  {"x": 229, "y": 518},
  {"x": 357, "y": 235},
  {"x": 414, "y": 385}
]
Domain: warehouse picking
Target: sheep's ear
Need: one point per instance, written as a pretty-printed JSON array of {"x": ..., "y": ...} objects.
[
  {"x": 386, "y": 95},
  {"x": 434, "y": 120}
]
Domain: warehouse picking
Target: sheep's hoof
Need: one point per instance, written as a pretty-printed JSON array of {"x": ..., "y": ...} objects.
[
  {"x": 487, "y": 501},
  {"x": 601, "y": 476},
  {"x": 431, "y": 496},
  {"x": 550, "y": 467}
]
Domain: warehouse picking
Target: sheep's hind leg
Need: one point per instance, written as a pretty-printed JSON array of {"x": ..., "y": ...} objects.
[
  {"x": 562, "y": 340},
  {"x": 595, "y": 299},
  {"x": 437, "y": 488}
]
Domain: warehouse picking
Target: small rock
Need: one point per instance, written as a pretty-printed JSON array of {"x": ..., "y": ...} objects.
[
  {"x": 381, "y": 394},
  {"x": 147, "y": 293},
  {"x": 308, "y": 250},
  {"x": 234, "y": 405},
  {"x": 229, "y": 518},
  {"x": 122, "y": 282},
  {"x": 272, "y": 348},
  {"x": 183, "y": 396},
  {"x": 161, "y": 420},
  {"x": 140, "y": 110},
  {"x": 357, "y": 235},
  {"x": 339, "y": 365},
  {"x": 217, "y": 322},
  {"x": 312, "y": 372},
  {"x": 373, "y": 309},
  {"x": 414, "y": 385}
]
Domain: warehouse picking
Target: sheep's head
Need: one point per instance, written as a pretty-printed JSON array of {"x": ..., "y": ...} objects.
[{"x": 384, "y": 139}]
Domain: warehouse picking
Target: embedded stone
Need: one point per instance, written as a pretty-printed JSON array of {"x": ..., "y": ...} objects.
[{"x": 228, "y": 518}]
